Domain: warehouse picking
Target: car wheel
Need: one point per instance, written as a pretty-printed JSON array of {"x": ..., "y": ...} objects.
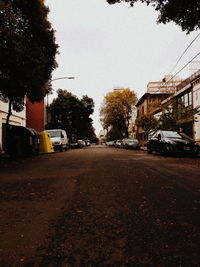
[
  {"x": 61, "y": 148},
  {"x": 149, "y": 151}
]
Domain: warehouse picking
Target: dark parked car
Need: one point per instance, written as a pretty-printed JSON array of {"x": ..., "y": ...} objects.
[{"x": 171, "y": 142}]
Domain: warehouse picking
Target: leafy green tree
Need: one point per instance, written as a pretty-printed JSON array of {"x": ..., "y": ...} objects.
[
  {"x": 185, "y": 13},
  {"x": 27, "y": 52},
  {"x": 117, "y": 109},
  {"x": 174, "y": 113},
  {"x": 73, "y": 115},
  {"x": 167, "y": 121},
  {"x": 147, "y": 122},
  {"x": 91, "y": 135}
]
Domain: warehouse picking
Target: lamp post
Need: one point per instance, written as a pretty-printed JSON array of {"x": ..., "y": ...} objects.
[{"x": 60, "y": 78}]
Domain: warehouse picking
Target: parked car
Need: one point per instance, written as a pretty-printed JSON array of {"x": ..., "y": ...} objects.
[
  {"x": 74, "y": 144},
  {"x": 171, "y": 142},
  {"x": 87, "y": 142},
  {"x": 109, "y": 143},
  {"x": 131, "y": 143},
  {"x": 81, "y": 143},
  {"x": 118, "y": 143},
  {"x": 59, "y": 139}
]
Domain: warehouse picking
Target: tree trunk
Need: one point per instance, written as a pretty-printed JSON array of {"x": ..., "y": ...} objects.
[
  {"x": 9, "y": 112},
  {"x": 127, "y": 128},
  {"x": 7, "y": 127}
]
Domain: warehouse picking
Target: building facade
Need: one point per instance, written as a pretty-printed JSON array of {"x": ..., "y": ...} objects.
[
  {"x": 146, "y": 105},
  {"x": 166, "y": 86},
  {"x": 184, "y": 104},
  {"x": 35, "y": 115},
  {"x": 196, "y": 104},
  {"x": 17, "y": 119}
]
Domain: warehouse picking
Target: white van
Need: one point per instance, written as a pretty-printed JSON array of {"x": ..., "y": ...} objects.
[{"x": 59, "y": 139}]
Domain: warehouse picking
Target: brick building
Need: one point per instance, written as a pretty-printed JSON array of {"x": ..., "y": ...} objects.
[{"x": 35, "y": 115}]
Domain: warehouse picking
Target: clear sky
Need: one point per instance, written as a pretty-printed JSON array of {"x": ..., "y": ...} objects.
[{"x": 105, "y": 46}]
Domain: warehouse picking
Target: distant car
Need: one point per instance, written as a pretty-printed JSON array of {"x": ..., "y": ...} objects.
[
  {"x": 87, "y": 142},
  {"x": 171, "y": 142},
  {"x": 59, "y": 139},
  {"x": 81, "y": 143},
  {"x": 118, "y": 143},
  {"x": 131, "y": 143},
  {"x": 74, "y": 144},
  {"x": 109, "y": 143}
]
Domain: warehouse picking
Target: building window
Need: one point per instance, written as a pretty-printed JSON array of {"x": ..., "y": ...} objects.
[
  {"x": 196, "y": 95},
  {"x": 184, "y": 106},
  {"x": 189, "y": 99},
  {"x": 142, "y": 110}
]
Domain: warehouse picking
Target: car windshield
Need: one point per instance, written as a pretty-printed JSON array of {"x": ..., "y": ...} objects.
[
  {"x": 54, "y": 134},
  {"x": 171, "y": 134},
  {"x": 133, "y": 141}
]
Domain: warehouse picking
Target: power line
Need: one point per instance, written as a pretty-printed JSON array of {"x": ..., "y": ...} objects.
[
  {"x": 184, "y": 53},
  {"x": 187, "y": 64},
  {"x": 179, "y": 70}
]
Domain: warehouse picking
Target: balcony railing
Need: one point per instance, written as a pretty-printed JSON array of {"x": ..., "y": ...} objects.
[{"x": 188, "y": 80}]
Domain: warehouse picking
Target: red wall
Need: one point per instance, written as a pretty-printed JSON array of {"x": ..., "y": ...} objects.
[{"x": 35, "y": 115}]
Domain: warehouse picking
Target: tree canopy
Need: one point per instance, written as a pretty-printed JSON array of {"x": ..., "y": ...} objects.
[
  {"x": 117, "y": 109},
  {"x": 72, "y": 114},
  {"x": 185, "y": 13},
  {"x": 27, "y": 51},
  {"x": 147, "y": 122}
]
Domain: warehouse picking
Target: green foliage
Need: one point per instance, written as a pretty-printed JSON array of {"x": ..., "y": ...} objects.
[
  {"x": 73, "y": 115},
  {"x": 168, "y": 121},
  {"x": 27, "y": 51},
  {"x": 185, "y": 13},
  {"x": 147, "y": 122}
]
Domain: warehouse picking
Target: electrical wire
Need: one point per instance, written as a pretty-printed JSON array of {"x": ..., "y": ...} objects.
[
  {"x": 178, "y": 72},
  {"x": 179, "y": 61},
  {"x": 184, "y": 53},
  {"x": 185, "y": 65}
]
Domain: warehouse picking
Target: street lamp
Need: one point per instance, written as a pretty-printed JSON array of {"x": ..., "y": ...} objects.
[
  {"x": 60, "y": 78},
  {"x": 70, "y": 77}
]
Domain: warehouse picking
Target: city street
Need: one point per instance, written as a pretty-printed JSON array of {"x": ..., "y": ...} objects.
[{"x": 100, "y": 206}]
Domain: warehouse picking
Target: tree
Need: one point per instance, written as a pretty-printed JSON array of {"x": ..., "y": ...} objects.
[
  {"x": 185, "y": 13},
  {"x": 148, "y": 122},
  {"x": 73, "y": 115},
  {"x": 175, "y": 113},
  {"x": 117, "y": 109},
  {"x": 167, "y": 121},
  {"x": 27, "y": 52}
]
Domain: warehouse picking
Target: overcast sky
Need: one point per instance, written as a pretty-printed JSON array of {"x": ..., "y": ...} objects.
[{"x": 105, "y": 46}]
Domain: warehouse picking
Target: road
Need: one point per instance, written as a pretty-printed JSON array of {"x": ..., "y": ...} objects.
[{"x": 100, "y": 206}]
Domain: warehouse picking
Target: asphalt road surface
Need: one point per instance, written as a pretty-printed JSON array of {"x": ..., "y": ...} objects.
[{"x": 100, "y": 206}]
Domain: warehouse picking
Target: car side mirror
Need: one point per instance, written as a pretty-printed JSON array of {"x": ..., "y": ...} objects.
[{"x": 159, "y": 136}]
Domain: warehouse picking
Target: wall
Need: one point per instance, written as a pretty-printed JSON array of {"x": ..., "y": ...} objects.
[
  {"x": 35, "y": 114},
  {"x": 196, "y": 103},
  {"x": 17, "y": 118}
]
